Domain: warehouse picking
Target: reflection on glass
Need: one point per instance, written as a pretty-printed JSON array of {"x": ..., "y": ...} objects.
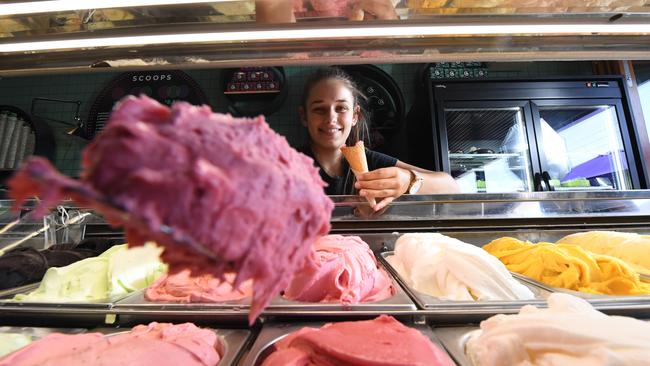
[
  {"x": 488, "y": 151},
  {"x": 583, "y": 148}
]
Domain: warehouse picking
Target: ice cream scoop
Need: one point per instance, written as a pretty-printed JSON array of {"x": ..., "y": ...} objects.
[
  {"x": 568, "y": 266},
  {"x": 569, "y": 332},
  {"x": 450, "y": 269},
  {"x": 381, "y": 341},
  {"x": 341, "y": 269},
  {"x": 221, "y": 194}
]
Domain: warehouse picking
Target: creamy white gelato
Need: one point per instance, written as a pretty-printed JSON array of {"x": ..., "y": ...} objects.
[
  {"x": 450, "y": 269},
  {"x": 569, "y": 332}
]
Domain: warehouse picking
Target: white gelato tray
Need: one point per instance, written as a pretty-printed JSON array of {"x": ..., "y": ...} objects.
[
  {"x": 488, "y": 308},
  {"x": 272, "y": 333},
  {"x": 454, "y": 339}
]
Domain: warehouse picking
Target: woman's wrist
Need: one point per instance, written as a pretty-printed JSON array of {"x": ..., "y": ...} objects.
[{"x": 406, "y": 176}]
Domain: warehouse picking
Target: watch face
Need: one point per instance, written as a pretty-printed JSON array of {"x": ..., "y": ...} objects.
[{"x": 415, "y": 187}]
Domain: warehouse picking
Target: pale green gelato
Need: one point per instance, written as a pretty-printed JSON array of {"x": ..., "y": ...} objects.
[
  {"x": 115, "y": 273},
  {"x": 10, "y": 342}
]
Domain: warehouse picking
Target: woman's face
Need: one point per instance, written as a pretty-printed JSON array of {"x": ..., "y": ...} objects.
[{"x": 330, "y": 113}]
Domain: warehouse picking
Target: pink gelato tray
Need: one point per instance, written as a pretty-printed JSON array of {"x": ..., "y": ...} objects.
[
  {"x": 138, "y": 301},
  {"x": 400, "y": 301},
  {"x": 272, "y": 333},
  {"x": 231, "y": 347}
]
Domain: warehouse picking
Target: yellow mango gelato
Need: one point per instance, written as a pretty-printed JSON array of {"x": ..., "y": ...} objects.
[
  {"x": 568, "y": 266},
  {"x": 632, "y": 248}
]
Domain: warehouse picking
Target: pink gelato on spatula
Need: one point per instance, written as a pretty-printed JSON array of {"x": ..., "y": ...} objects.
[{"x": 221, "y": 194}]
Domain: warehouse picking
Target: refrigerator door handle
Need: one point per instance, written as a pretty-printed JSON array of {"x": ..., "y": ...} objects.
[
  {"x": 547, "y": 180},
  {"x": 537, "y": 181}
]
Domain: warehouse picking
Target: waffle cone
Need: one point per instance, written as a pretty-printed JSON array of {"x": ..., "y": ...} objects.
[{"x": 356, "y": 157}]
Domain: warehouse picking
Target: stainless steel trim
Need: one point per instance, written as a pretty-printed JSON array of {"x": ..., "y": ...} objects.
[{"x": 400, "y": 46}]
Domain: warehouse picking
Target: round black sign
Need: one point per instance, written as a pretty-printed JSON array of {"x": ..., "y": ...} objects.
[{"x": 163, "y": 86}]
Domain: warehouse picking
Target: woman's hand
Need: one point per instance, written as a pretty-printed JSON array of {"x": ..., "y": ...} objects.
[
  {"x": 384, "y": 184},
  {"x": 371, "y": 9}
]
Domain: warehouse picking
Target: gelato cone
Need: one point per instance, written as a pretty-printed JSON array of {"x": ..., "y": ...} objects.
[{"x": 356, "y": 157}]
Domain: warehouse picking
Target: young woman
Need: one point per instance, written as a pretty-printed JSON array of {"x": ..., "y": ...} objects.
[{"x": 331, "y": 113}]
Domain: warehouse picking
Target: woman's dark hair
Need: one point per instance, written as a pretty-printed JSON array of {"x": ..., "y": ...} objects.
[{"x": 358, "y": 132}]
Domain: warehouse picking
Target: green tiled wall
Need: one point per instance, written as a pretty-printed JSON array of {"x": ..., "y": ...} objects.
[{"x": 19, "y": 92}]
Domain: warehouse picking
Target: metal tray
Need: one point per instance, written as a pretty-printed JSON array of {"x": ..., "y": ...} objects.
[
  {"x": 429, "y": 302},
  {"x": 400, "y": 301},
  {"x": 272, "y": 333},
  {"x": 7, "y": 295},
  {"x": 233, "y": 342},
  {"x": 454, "y": 340},
  {"x": 137, "y": 300}
]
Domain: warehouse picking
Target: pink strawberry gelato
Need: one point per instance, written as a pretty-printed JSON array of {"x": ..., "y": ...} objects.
[
  {"x": 381, "y": 341},
  {"x": 205, "y": 288},
  {"x": 342, "y": 269},
  {"x": 159, "y": 344}
]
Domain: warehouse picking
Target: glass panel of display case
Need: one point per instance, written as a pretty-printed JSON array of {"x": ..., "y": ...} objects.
[
  {"x": 488, "y": 149},
  {"x": 583, "y": 148}
]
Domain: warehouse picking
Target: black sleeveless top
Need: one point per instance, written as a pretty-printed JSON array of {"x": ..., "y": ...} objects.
[{"x": 336, "y": 185}]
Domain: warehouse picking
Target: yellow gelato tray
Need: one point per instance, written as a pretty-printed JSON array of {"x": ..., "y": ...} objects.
[
  {"x": 584, "y": 295},
  {"x": 272, "y": 333}
]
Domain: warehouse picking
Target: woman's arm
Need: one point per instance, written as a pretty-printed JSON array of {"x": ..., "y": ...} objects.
[
  {"x": 386, "y": 184},
  {"x": 274, "y": 11},
  {"x": 434, "y": 182}
]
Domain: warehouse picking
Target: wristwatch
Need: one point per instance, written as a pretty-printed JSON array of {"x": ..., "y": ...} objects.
[{"x": 416, "y": 182}]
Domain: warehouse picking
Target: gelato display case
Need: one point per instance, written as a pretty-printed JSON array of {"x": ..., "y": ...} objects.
[
  {"x": 144, "y": 40},
  {"x": 473, "y": 219}
]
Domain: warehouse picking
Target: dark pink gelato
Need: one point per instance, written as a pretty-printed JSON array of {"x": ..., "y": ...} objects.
[{"x": 232, "y": 185}]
